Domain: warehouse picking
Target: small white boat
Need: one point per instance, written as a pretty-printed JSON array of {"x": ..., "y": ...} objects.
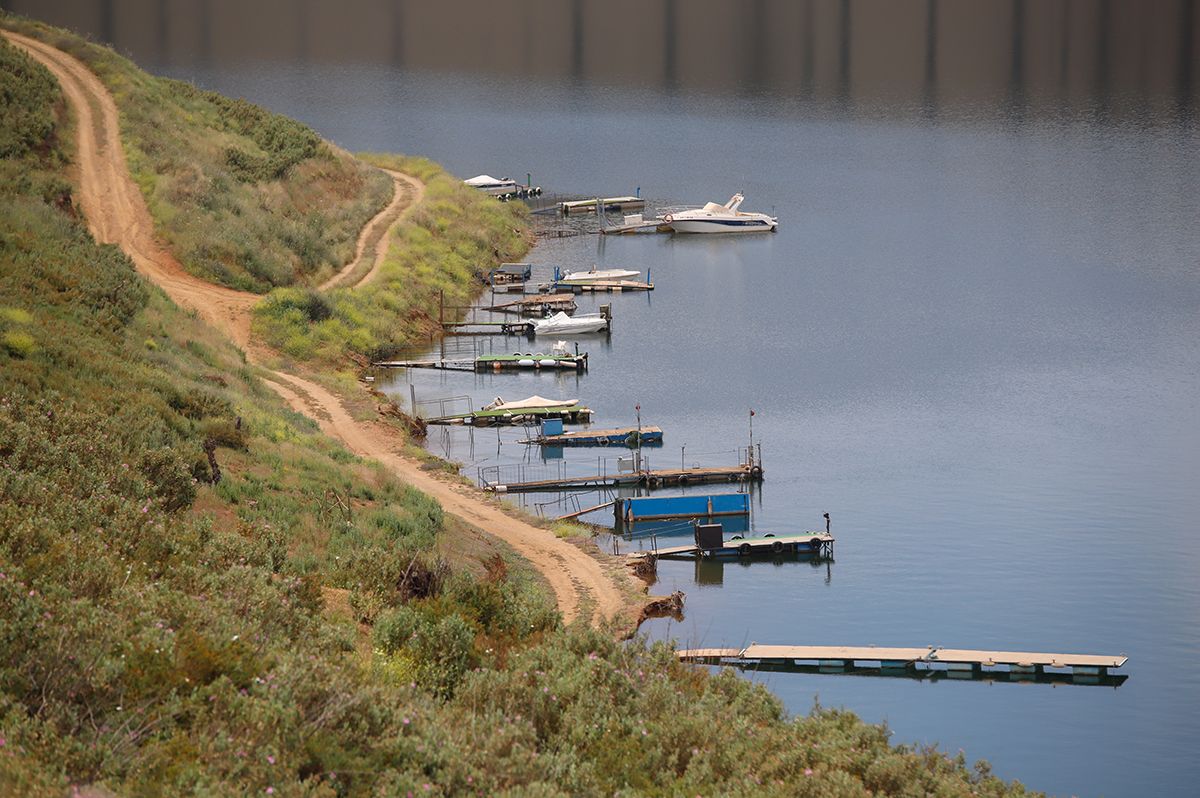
[
  {"x": 531, "y": 402},
  {"x": 496, "y": 186},
  {"x": 714, "y": 218},
  {"x": 595, "y": 275},
  {"x": 562, "y": 324}
]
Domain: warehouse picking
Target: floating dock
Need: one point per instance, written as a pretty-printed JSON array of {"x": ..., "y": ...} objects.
[
  {"x": 636, "y": 224},
  {"x": 833, "y": 659},
  {"x": 620, "y": 436},
  {"x": 817, "y": 544},
  {"x": 598, "y": 286},
  {"x": 488, "y": 327},
  {"x": 527, "y": 361},
  {"x": 607, "y": 203},
  {"x": 538, "y": 305},
  {"x": 660, "y": 508},
  {"x": 535, "y": 361},
  {"x": 487, "y": 418},
  {"x": 665, "y": 477}
]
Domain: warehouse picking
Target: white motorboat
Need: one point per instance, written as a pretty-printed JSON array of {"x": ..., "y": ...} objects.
[
  {"x": 727, "y": 218},
  {"x": 538, "y": 402},
  {"x": 496, "y": 186},
  {"x": 595, "y": 275},
  {"x": 562, "y": 324}
]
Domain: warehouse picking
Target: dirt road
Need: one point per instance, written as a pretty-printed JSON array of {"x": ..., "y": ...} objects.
[
  {"x": 117, "y": 214},
  {"x": 407, "y": 191}
]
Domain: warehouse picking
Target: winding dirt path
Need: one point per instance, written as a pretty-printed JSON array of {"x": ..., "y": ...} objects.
[
  {"x": 407, "y": 192},
  {"x": 116, "y": 214}
]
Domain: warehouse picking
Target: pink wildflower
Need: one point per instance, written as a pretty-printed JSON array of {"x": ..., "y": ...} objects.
[{"x": 808, "y": 771}]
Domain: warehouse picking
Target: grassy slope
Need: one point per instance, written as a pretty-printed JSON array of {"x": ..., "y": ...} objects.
[
  {"x": 444, "y": 246},
  {"x": 246, "y": 198},
  {"x": 161, "y": 634}
]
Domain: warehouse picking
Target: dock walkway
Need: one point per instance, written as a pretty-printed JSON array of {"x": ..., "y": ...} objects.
[
  {"x": 804, "y": 543},
  {"x": 664, "y": 477},
  {"x": 1031, "y": 662},
  {"x": 621, "y": 436}
]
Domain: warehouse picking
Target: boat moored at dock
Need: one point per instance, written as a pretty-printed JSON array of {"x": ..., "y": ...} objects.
[{"x": 727, "y": 218}]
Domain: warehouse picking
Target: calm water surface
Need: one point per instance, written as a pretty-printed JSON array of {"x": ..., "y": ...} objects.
[{"x": 975, "y": 341}]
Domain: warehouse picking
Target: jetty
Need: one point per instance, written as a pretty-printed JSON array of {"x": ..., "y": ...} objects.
[
  {"x": 538, "y": 305},
  {"x": 598, "y": 286},
  {"x": 817, "y": 544},
  {"x": 531, "y": 410},
  {"x": 606, "y": 203},
  {"x": 536, "y": 361},
  {"x": 487, "y": 327},
  {"x": 635, "y": 223},
  {"x": 1016, "y": 665},
  {"x": 618, "y": 436},
  {"x": 648, "y": 478}
]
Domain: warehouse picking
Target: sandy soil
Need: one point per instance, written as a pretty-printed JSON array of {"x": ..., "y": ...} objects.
[{"x": 116, "y": 214}]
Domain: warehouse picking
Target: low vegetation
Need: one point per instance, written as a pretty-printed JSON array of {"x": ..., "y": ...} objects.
[
  {"x": 244, "y": 197},
  {"x": 200, "y": 594},
  {"x": 439, "y": 253}
]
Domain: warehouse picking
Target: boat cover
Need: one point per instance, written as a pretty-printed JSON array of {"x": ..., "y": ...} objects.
[
  {"x": 485, "y": 180},
  {"x": 533, "y": 401}
]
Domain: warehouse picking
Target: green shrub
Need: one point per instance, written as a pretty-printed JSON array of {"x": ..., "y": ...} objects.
[{"x": 17, "y": 344}]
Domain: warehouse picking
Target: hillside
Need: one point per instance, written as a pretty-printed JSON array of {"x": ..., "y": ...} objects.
[{"x": 303, "y": 623}]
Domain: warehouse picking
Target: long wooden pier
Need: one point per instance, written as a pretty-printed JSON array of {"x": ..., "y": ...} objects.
[
  {"x": 834, "y": 658},
  {"x": 664, "y": 477}
]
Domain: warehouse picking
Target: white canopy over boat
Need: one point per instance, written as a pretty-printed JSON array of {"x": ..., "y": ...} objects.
[
  {"x": 562, "y": 324},
  {"x": 531, "y": 402},
  {"x": 483, "y": 181}
]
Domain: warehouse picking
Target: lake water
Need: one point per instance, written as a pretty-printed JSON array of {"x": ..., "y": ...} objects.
[{"x": 974, "y": 341}]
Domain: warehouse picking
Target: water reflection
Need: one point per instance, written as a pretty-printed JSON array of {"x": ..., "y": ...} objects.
[{"x": 898, "y": 54}]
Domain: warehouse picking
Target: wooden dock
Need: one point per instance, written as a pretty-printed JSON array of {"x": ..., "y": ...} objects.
[
  {"x": 598, "y": 286},
  {"x": 538, "y": 305},
  {"x": 488, "y": 327},
  {"x": 573, "y": 414},
  {"x": 620, "y": 436},
  {"x": 607, "y": 203},
  {"x": 664, "y": 477},
  {"x": 641, "y": 226},
  {"x": 837, "y": 658},
  {"x": 536, "y": 361},
  {"x": 815, "y": 543}
]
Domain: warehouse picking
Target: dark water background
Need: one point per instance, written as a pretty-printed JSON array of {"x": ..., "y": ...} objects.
[{"x": 975, "y": 339}]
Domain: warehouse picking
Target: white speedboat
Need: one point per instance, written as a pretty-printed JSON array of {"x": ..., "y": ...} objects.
[
  {"x": 562, "y": 324},
  {"x": 595, "y": 275},
  {"x": 531, "y": 402},
  {"x": 496, "y": 186},
  {"x": 714, "y": 218}
]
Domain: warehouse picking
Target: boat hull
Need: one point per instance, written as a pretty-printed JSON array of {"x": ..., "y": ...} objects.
[{"x": 722, "y": 226}]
